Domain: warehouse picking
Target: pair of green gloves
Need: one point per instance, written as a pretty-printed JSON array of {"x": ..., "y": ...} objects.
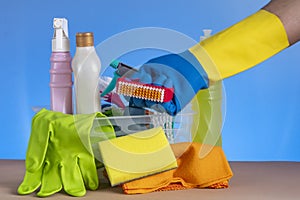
[{"x": 60, "y": 154}]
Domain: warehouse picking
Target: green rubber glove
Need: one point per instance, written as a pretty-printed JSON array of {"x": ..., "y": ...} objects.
[
  {"x": 59, "y": 155},
  {"x": 36, "y": 150}
]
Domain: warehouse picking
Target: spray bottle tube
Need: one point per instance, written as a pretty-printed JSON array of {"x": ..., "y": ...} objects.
[{"x": 61, "y": 71}]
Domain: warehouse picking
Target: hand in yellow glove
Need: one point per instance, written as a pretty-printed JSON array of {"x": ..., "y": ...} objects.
[{"x": 59, "y": 155}]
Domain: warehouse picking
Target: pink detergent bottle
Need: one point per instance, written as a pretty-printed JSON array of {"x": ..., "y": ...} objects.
[{"x": 61, "y": 71}]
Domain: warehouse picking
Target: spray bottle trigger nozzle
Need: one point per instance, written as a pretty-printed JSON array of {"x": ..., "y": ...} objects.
[
  {"x": 207, "y": 32},
  {"x": 61, "y": 23},
  {"x": 60, "y": 40}
]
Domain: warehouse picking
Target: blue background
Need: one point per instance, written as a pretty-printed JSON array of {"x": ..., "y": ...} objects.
[{"x": 262, "y": 104}]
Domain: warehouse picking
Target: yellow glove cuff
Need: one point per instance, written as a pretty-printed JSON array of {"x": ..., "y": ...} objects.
[{"x": 241, "y": 46}]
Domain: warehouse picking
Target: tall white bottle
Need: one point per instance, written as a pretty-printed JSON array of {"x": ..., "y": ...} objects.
[{"x": 86, "y": 67}]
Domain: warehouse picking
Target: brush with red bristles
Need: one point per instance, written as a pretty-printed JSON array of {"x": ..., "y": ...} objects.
[{"x": 136, "y": 89}]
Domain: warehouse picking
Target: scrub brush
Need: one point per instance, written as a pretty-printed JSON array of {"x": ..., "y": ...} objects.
[{"x": 134, "y": 88}]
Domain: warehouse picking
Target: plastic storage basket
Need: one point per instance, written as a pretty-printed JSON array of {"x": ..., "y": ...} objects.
[{"x": 176, "y": 129}]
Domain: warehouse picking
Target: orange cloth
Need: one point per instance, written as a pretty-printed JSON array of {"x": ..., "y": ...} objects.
[{"x": 212, "y": 171}]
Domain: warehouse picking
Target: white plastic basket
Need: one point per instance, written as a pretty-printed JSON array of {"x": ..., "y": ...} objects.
[{"x": 176, "y": 129}]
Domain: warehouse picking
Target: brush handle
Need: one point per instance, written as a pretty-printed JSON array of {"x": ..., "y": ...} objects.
[{"x": 111, "y": 85}]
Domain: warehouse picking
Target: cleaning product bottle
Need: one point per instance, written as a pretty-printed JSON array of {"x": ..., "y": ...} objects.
[
  {"x": 207, "y": 124},
  {"x": 86, "y": 66},
  {"x": 61, "y": 71}
]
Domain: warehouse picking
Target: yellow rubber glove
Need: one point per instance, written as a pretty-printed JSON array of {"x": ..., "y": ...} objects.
[{"x": 241, "y": 46}]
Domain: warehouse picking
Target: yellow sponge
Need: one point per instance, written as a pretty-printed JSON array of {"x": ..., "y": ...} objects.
[{"x": 137, "y": 155}]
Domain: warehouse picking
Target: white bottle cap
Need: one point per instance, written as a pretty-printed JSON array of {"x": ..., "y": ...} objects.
[{"x": 60, "y": 41}]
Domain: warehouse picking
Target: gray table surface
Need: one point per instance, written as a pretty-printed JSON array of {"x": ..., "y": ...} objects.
[{"x": 251, "y": 180}]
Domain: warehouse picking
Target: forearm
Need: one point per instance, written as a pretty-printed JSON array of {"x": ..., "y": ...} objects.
[{"x": 288, "y": 11}]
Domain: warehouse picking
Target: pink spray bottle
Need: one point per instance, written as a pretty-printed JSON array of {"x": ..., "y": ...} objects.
[{"x": 61, "y": 71}]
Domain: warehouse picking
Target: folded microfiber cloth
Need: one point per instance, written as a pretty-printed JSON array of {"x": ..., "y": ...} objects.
[
  {"x": 211, "y": 171},
  {"x": 137, "y": 155}
]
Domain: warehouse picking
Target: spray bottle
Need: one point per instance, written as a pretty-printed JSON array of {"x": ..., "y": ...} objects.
[
  {"x": 61, "y": 71},
  {"x": 86, "y": 66},
  {"x": 207, "y": 125}
]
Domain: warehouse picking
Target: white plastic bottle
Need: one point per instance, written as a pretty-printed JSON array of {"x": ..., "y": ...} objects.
[{"x": 86, "y": 67}]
